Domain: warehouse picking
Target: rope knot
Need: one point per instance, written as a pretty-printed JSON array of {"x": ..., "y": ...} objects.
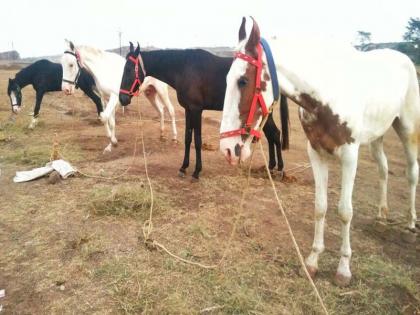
[{"x": 150, "y": 244}]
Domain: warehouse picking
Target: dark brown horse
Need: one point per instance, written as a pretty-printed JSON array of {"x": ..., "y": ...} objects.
[{"x": 199, "y": 79}]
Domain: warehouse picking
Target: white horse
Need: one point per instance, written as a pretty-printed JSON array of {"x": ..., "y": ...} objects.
[
  {"x": 107, "y": 69},
  {"x": 346, "y": 98}
]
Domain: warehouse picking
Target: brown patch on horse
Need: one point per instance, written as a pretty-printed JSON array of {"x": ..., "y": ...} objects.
[
  {"x": 247, "y": 94},
  {"x": 322, "y": 127},
  {"x": 150, "y": 91}
]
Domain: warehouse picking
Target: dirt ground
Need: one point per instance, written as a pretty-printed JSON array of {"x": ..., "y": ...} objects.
[{"x": 76, "y": 247}]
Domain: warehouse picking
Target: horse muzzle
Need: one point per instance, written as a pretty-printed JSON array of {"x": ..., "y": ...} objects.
[
  {"x": 234, "y": 150},
  {"x": 16, "y": 109},
  {"x": 124, "y": 99}
]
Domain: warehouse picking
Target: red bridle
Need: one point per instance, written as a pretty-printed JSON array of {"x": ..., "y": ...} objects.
[
  {"x": 258, "y": 98},
  {"x": 137, "y": 61}
]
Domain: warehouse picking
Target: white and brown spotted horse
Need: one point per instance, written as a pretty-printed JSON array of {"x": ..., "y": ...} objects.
[{"x": 346, "y": 98}]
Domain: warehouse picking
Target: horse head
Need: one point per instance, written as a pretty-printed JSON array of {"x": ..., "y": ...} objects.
[
  {"x": 72, "y": 68},
  {"x": 247, "y": 94},
  {"x": 133, "y": 75},
  {"x": 15, "y": 95}
]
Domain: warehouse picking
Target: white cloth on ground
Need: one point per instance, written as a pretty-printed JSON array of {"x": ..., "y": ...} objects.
[{"x": 62, "y": 167}]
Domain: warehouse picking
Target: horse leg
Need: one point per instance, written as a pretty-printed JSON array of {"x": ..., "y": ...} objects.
[
  {"x": 196, "y": 123},
  {"x": 102, "y": 116},
  {"x": 96, "y": 99},
  {"x": 377, "y": 151},
  {"x": 410, "y": 138},
  {"x": 39, "y": 96},
  {"x": 320, "y": 171},
  {"x": 188, "y": 139},
  {"x": 151, "y": 94},
  {"x": 270, "y": 133},
  {"x": 164, "y": 97},
  {"x": 278, "y": 144},
  {"x": 110, "y": 121},
  {"x": 348, "y": 158}
]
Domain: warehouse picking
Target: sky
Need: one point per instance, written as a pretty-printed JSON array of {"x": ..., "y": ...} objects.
[{"x": 39, "y": 27}]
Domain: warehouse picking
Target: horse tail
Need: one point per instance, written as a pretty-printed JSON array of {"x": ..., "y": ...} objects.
[{"x": 285, "y": 122}]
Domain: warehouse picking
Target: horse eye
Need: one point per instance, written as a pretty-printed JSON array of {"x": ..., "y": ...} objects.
[
  {"x": 242, "y": 82},
  {"x": 71, "y": 65}
]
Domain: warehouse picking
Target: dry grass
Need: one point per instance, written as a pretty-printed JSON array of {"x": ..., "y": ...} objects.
[
  {"x": 133, "y": 199},
  {"x": 77, "y": 247}
]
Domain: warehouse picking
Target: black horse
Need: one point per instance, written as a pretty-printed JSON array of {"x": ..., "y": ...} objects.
[
  {"x": 45, "y": 76},
  {"x": 199, "y": 79}
]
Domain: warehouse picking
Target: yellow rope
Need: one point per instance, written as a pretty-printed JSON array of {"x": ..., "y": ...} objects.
[
  {"x": 148, "y": 224},
  {"x": 302, "y": 262}
]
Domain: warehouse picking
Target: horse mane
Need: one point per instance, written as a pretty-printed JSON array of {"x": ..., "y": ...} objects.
[{"x": 91, "y": 50}]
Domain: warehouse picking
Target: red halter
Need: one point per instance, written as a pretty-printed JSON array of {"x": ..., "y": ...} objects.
[
  {"x": 258, "y": 98},
  {"x": 136, "y": 62}
]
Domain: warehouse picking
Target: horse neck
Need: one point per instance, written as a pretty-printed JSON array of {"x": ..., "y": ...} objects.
[
  {"x": 90, "y": 59},
  {"x": 25, "y": 76},
  {"x": 165, "y": 65}
]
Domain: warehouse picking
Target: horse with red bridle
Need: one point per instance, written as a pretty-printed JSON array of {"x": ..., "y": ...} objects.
[
  {"x": 347, "y": 98},
  {"x": 199, "y": 79}
]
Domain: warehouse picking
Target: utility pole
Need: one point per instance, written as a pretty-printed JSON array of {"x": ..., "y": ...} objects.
[{"x": 119, "y": 35}]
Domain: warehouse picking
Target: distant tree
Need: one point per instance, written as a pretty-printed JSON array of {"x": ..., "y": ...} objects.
[
  {"x": 363, "y": 37},
  {"x": 413, "y": 30}
]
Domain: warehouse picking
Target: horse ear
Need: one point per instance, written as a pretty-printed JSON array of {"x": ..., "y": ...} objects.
[
  {"x": 71, "y": 46},
  {"x": 137, "y": 51},
  {"x": 242, "y": 32},
  {"x": 131, "y": 47},
  {"x": 254, "y": 39}
]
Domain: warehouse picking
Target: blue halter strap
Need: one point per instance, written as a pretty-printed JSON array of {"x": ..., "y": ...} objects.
[{"x": 271, "y": 68}]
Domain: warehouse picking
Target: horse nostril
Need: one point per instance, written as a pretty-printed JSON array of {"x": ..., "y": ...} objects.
[
  {"x": 238, "y": 150},
  {"x": 229, "y": 154}
]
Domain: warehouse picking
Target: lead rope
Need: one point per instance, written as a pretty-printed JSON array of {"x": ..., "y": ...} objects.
[
  {"x": 296, "y": 246},
  {"x": 152, "y": 244}
]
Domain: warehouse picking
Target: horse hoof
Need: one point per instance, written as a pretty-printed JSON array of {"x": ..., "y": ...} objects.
[
  {"x": 409, "y": 236},
  {"x": 195, "y": 179},
  {"x": 175, "y": 141},
  {"x": 107, "y": 149},
  {"x": 181, "y": 173},
  {"x": 162, "y": 138},
  {"x": 341, "y": 280}
]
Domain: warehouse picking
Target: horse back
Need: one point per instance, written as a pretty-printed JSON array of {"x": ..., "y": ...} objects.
[
  {"x": 206, "y": 79},
  {"x": 46, "y": 75}
]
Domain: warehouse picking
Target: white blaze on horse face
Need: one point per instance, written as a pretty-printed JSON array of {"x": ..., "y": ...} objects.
[
  {"x": 231, "y": 116},
  {"x": 13, "y": 98},
  {"x": 70, "y": 70},
  {"x": 15, "y": 106}
]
